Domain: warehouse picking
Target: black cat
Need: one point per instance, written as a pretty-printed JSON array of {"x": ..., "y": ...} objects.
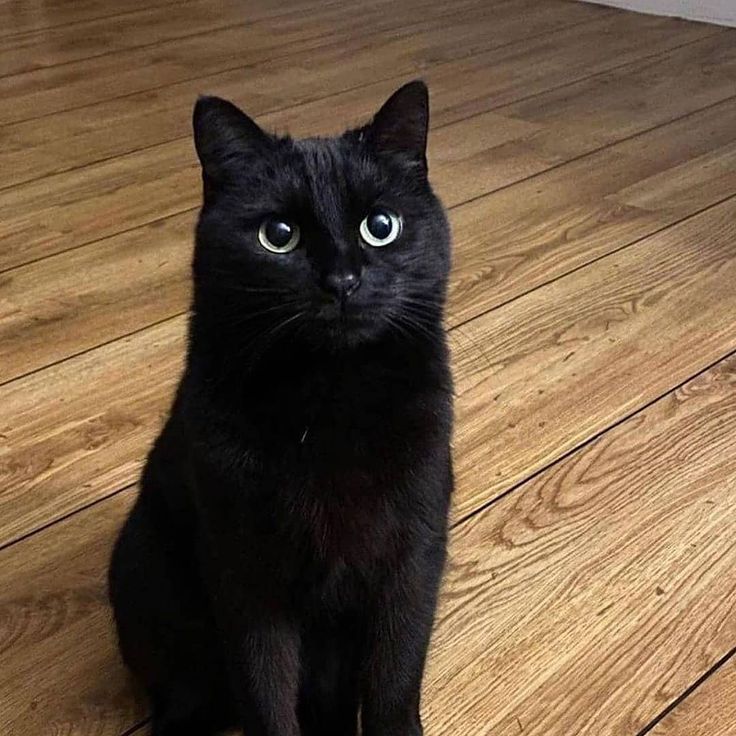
[{"x": 279, "y": 570}]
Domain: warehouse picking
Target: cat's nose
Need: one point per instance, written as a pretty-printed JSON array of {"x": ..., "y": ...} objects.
[{"x": 340, "y": 284}]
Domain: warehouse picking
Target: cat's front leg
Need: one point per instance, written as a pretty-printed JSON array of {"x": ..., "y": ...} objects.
[
  {"x": 398, "y": 637},
  {"x": 264, "y": 671},
  {"x": 259, "y": 635}
]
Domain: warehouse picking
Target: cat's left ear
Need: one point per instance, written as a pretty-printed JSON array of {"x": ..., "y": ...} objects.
[
  {"x": 401, "y": 125},
  {"x": 224, "y": 136}
]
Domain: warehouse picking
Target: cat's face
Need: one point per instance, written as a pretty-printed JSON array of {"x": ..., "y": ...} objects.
[{"x": 334, "y": 241}]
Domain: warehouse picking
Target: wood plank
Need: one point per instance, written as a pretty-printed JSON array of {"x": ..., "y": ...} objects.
[
  {"x": 24, "y": 52},
  {"x": 29, "y": 17},
  {"x": 53, "y": 89},
  {"x": 56, "y": 632},
  {"x": 47, "y": 18},
  {"x": 571, "y": 120},
  {"x": 78, "y": 299},
  {"x": 710, "y": 710},
  {"x": 592, "y": 200},
  {"x": 569, "y": 216},
  {"x": 515, "y": 66},
  {"x": 554, "y": 601},
  {"x": 592, "y": 596},
  {"x": 63, "y": 444},
  {"x": 617, "y": 334}
]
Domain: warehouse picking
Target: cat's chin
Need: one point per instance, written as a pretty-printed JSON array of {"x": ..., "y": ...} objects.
[{"x": 345, "y": 334}]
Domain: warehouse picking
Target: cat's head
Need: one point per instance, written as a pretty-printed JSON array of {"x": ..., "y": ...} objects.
[{"x": 333, "y": 242}]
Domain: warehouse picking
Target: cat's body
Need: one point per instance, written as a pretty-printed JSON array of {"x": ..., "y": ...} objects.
[{"x": 280, "y": 568}]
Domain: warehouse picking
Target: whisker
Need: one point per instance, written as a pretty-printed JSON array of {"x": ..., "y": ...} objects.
[
  {"x": 428, "y": 301},
  {"x": 413, "y": 325},
  {"x": 430, "y": 319},
  {"x": 269, "y": 334},
  {"x": 430, "y": 310},
  {"x": 398, "y": 327},
  {"x": 237, "y": 318}
]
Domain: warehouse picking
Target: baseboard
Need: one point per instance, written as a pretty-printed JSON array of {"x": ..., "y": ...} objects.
[{"x": 722, "y": 12}]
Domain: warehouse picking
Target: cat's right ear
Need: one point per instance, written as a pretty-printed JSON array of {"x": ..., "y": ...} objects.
[
  {"x": 224, "y": 136},
  {"x": 400, "y": 126}
]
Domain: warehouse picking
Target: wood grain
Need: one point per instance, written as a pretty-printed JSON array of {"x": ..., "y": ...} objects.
[
  {"x": 595, "y": 205},
  {"x": 710, "y": 710},
  {"x": 585, "y": 602},
  {"x": 80, "y": 430},
  {"x": 568, "y": 49},
  {"x": 577, "y": 118},
  {"x": 86, "y": 39},
  {"x": 151, "y": 26},
  {"x": 19, "y": 18},
  {"x": 614, "y": 335},
  {"x": 61, "y": 672},
  {"x": 536, "y": 585},
  {"x": 57, "y": 88}
]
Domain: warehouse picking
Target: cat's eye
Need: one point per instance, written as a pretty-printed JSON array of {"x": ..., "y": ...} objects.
[
  {"x": 380, "y": 227},
  {"x": 278, "y": 236}
]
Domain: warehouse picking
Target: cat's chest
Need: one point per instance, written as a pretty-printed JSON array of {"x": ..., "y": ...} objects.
[
  {"x": 351, "y": 528},
  {"x": 346, "y": 495},
  {"x": 353, "y": 432},
  {"x": 345, "y": 475},
  {"x": 339, "y": 493}
]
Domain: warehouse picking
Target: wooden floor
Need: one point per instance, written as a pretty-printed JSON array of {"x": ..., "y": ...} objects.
[{"x": 588, "y": 157}]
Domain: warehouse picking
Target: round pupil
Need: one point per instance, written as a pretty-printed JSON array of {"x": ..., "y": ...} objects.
[
  {"x": 279, "y": 233},
  {"x": 379, "y": 225}
]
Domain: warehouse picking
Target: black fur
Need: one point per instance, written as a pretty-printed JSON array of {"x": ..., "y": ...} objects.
[{"x": 279, "y": 570}]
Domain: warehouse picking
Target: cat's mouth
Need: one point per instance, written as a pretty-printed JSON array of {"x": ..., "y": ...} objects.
[
  {"x": 348, "y": 320},
  {"x": 343, "y": 312}
]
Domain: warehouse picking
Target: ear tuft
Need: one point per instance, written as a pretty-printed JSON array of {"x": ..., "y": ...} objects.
[
  {"x": 401, "y": 125},
  {"x": 223, "y": 133}
]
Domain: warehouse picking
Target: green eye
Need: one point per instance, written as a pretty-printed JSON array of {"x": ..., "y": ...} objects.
[
  {"x": 381, "y": 227},
  {"x": 278, "y": 236}
]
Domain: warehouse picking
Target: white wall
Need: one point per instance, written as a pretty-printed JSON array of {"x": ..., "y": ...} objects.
[{"x": 712, "y": 11}]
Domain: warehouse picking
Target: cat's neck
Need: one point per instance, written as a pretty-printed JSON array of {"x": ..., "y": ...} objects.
[{"x": 296, "y": 382}]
